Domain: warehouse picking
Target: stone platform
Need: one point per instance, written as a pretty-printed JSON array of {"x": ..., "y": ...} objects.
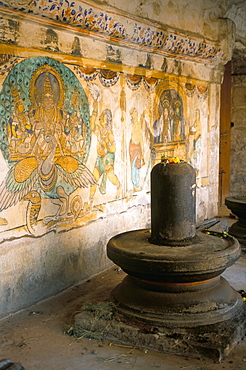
[{"x": 214, "y": 341}]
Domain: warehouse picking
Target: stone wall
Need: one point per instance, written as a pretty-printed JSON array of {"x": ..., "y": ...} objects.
[
  {"x": 238, "y": 131},
  {"x": 91, "y": 97}
]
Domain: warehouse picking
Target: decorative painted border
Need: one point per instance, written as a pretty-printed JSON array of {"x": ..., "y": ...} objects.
[
  {"x": 117, "y": 27},
  {"x": 109, "y": 78}
]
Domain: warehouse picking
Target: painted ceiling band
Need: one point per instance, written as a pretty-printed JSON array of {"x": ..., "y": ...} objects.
[
  {"x": 118, "y": 27},
  {"x": 21, "y": 53}
]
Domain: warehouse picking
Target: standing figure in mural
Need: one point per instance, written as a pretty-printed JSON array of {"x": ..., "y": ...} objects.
[
  {"x": 163, "y": 126},
  {"x": 178, "y": 122},
  {"x": 170, "y": 118},
  {"x": 197, "y": 143},
  {"x": 106, "y": 147},
  {"x": 167, "y": 123},
  {"x": 75, "y": 129},
  {"x": 136, "y": 148},
  {"x": 158, "y": 129}
]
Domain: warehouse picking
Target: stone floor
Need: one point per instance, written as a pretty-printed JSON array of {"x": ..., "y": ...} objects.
[{"x": 36, "y": 336}]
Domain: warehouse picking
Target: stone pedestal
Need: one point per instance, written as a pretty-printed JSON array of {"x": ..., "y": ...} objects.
[
  {"x": 174, "y": 283},
  {"x": 237, "y": 205},
  {"x": 174, "y": 287}
]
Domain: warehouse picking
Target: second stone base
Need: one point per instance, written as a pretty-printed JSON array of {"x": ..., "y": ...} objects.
[
  {"x": 209, "y": 341},
  {"x": 176, "y": 305},
  {"x": 239, "y": 232}
]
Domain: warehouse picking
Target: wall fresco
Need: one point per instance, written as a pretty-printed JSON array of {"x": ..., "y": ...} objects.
[
  {"x": 170, "y": 125},
  {"x": 106, "y": 147},
  {"x": 90, "y": 17},
  {"x": 45, "y": 139},
  {"x": 91, "y": 96},
  {"x": 75, "y": 139}
]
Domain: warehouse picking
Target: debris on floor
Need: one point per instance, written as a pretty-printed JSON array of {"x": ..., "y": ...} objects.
[
  {"x": 243, "y": 294},
  {"x": 101, "y": 321}
]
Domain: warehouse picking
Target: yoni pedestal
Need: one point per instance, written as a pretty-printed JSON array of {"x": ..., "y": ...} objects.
[
  {"x": 173, "y": 290},
  {"x": 238, "y": 207}
]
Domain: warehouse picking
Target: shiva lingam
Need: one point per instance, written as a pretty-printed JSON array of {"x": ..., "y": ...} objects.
[
  {"x": 237, "y": 205},
  {"x": 173, "y": 269}
]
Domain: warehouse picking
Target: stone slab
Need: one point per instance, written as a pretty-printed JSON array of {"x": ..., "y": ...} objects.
[{"x": 211, "y": 341}]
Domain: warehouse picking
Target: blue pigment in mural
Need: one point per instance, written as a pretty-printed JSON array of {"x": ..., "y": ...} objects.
[
  {"x": 170, "y": 125},
  {"x": 45, "y": 134},
  {"x": 43, "y": 88}
]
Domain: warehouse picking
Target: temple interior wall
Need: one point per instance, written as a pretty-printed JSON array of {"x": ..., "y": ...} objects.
[
  {"x": 238, "y": 130},
  {"x": 88, "y": 105}
]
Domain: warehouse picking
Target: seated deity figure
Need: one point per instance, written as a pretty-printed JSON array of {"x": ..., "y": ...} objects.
[
  {"x": 19, "y": 128},
  {"x": 47, "y": 120}
]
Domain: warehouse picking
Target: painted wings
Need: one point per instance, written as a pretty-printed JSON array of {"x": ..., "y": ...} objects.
[
  {"x": 18, "y": 182},
  {"x": 74, "y": 172}
]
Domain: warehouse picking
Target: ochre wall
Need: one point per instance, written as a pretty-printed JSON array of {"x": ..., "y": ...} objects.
[{"x": 86, "y": 110}]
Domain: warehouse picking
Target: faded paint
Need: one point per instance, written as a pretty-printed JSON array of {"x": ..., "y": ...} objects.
[{"x": 68, "y": 122}]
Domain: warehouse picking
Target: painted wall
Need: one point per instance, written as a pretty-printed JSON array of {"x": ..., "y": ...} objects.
[{"x": 90, "y": 99}]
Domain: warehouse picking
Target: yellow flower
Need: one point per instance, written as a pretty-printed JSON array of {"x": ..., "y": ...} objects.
[{"x": 169, "y": 160}]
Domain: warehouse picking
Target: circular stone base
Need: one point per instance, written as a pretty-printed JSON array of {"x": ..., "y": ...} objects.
[
  {"x": 181, "y": 305},
  {"x": 239, "y": 232},
  {"x": 175, "y": 286},
  {"x": 237, "y": 205},
  {"x": 205, "y": 258}
]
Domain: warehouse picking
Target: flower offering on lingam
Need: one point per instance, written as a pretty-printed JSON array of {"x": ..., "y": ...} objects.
[{"x": 170, "y": 160}]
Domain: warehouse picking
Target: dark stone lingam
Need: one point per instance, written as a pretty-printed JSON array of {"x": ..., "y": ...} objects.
[
  {"x": 173, "y": 299},
  {"x": 237, "y": 205},
  {"x": 174, "y": 285}
]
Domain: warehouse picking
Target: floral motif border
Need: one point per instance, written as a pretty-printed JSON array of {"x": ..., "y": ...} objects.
[{"x": 117, "y": 27}]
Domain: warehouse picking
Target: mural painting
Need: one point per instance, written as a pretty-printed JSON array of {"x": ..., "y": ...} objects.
[
  {"x": 106, "y": 146},
  {"x": 75, "y": 138},
  {"x": 45, "y": 139},
  {"x": 136, "y": 148},
  {"x": 170, "y": 125},
  {"x": 196, "y": 131}
]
